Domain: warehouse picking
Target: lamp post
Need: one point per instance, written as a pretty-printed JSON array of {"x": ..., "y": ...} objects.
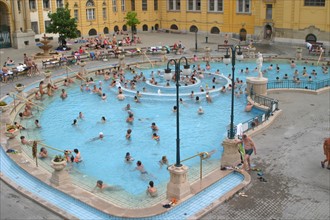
[
  {"x": 227, "y": 61},
  {"x": 186, "y": 71}
]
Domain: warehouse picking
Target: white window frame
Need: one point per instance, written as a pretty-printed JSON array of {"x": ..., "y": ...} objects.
[
  {"x": 217, "y": 4},
  {"x": 144, "y": 5},
  {"x": 59, "y": 4},
  {"x": 90, "y": 14},
  {"x": 46, "y": 2},
  {"x": 76, "y": 14},
  {"x": 156, "y": 5},
  {"x": 123, "y": 6},
  {"x": 314, "y": 3},
  {"x": 32, "y": 5},
  {"x": 176, "y": 5},
  {"x": 192, "y": 5},
  {"x": 244, "y": 9},
  {"x": 114, "y": 5},
  {"x": 104, "y": 13}
]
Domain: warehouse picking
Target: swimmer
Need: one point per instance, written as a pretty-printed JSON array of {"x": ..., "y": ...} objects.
[
  {"x": 140, "y": 167},
  {"x": 200, "y": 110},
  {"x": 197, "y": 100},
  {"x": 24, "y": 141},
  {"x": 248, "y": 107},
  {"x": 100, "y": 137},
  {"x": 127, "y": 107},
  {"x": 77, "y": 158},
  {"x": 174, "y": 109},
  {"x": 154, "y": 126},
  {"x": 81, "y": 115},
  {"x": 151, "y": 190},
  {"x": 64, "y": 95},
  {"x": 208, "y": 97},
  {"x": 74, "y": 122},
  {"x": 103, "y": 119},
  {"x": 104, "y": 96},
  {"x": 163, "y": 161},
  {"x": 223, "y": 89},
  {"x": 43, "y": 153},
  {"x": 36, "y": 122},
  {"x": 120, "y": 96},
  {"x": 19, "y": 126},
  {"x": 100, "y": 186},
  {"x": 128, "y": 157},
  {"x": 128, "y": 134},
  {"x": 155, "y": 137},
  {"x": 136, "y": 99},
  {"x": 130, "y": 118}
]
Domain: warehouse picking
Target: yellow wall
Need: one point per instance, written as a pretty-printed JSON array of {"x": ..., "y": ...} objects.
[{"x": 288, "y": 15}]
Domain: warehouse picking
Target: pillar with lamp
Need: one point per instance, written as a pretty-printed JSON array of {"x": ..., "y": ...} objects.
[
  {"x": 230, "y": 153},
  {"x": 178, "y": 187}
]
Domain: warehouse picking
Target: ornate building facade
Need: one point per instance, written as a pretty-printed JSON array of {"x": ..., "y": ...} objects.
[{"x": 270, "y": 20}]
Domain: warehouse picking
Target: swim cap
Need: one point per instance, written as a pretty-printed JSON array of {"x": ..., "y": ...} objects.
[{"x": 101, "y": 133}]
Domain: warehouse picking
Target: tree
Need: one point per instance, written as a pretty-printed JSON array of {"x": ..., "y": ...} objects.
[
  {"x": 132, "y": 21},
  {"x": 62, "y": 23}
]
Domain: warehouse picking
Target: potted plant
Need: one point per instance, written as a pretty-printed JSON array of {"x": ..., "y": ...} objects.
[
  {"x": 11, "y": 131},
  {"x": 59, "y": 162},
  {"x": 3, "y": 106},
  {"x": 19, "y": 87}
]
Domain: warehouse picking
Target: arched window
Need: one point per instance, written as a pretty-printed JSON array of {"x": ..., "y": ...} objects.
[
  {"x": 124, "y": 27},
  {"x": 116, "y": 28},
  {"x": 90, "y": 11},
  {"x": 145, "y": 27},
  {"x": 90, "y": 3},
  {"x": 174, "y": 27},
  {"x": 242, "y": 34},
  {"x": 311, "y": 38},
  {"x": 106, "y": 30},
  {"x": 215, "y": 30},
  {"x": 193, "y": 28},
  {"x": 79, "y": 33},
  {"x": 268, "y": 32},
  {"x": 92, "y": 32},
  {"x": 156, "y": 27}
]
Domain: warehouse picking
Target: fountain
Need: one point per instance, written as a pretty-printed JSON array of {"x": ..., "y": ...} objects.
[{"x": 44, "y": 45}]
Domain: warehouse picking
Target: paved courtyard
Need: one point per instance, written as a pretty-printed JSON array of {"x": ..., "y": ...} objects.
[{"x": 289, "y": 151}]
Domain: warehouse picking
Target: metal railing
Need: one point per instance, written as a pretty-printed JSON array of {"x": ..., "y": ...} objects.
[
  {"x": 271, "y": 105},
  {"x": 290, "y": 84}
]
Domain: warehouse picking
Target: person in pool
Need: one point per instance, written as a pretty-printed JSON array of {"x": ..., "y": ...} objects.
[
  {"x": 128, "y": 157},
  {"x": 151, "y": 190},
  {"x": 43, "y": 153},
  {"x": 140, "y": 167},
  {"x": 155, "y": 136},
  {"x": 100, "y": 186},
  {"x": 154, "y": 126},
  {"x": 100, "y": 137}
]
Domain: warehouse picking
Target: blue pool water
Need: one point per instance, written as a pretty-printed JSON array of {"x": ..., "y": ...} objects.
[
  {"x": 84, "y": 211},
  {"x": 104, "y": 159}
]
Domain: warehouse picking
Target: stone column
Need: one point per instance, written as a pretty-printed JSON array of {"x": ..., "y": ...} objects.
[
  {"x": 259, "y": 85},
  {"x": 27, "y": 16},
  {"x": 231, "y": 156},
  {"x": 16, "y": 13},
  {"x": 178, "y": 187}
]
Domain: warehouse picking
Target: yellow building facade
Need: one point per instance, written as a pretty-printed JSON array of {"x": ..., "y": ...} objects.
[{"x": 268, "y": 20}]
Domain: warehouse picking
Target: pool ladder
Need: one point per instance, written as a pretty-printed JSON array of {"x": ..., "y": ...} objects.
[{"x": 202, "y": 156}]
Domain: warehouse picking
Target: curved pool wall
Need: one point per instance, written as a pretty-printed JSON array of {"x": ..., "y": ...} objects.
[{"x": 81, "y": 210}]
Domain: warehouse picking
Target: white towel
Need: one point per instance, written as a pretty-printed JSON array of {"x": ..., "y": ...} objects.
[{"x": 239, "y": 128}]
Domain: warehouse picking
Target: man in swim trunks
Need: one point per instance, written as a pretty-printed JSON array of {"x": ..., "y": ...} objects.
[
  {"x": 326, "y": 149},
  {"x": 249, "y": 147}
]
